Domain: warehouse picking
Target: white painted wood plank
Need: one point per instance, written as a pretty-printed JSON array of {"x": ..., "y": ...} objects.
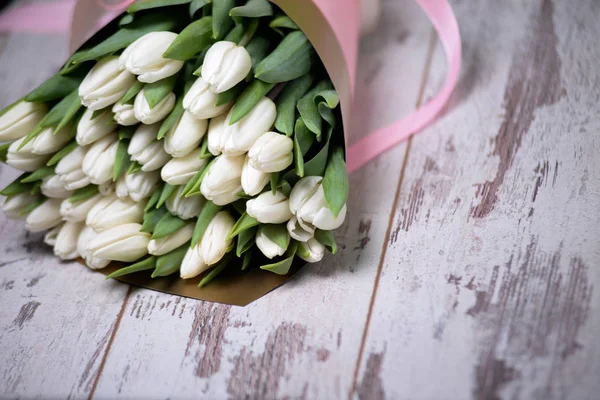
[
  {"x": 302, "y": 340},
  {"x": 488, "y": 286}
]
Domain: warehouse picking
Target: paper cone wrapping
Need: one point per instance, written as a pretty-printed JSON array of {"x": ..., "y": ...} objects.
[{"x": 332, "y": 26}]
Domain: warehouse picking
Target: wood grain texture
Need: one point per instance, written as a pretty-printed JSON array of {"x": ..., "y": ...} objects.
[{"x": 489, "y": 284}]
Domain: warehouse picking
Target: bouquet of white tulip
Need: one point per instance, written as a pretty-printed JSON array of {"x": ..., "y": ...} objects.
[{"x": 186, "y": 137}]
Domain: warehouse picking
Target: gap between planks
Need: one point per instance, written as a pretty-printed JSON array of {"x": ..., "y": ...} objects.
[{"x": 386, "y": 239}]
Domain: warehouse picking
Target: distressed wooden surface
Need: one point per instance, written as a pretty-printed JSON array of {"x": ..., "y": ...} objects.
[{"x": 468, "y": 266}]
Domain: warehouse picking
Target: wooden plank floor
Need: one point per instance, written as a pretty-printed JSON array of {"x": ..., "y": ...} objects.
[{"x": 470, "y": 260}]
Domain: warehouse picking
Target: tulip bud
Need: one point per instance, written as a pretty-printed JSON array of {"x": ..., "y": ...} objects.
[
  {"x": 192, "y": 264},
  {"x": 299, "y": 232},
  {"x": 53, "y": 187},
  {"x": 253, "y": 180},
  {"x": 20, "y": 120},
  {"x": 164, "y": 245},
  {"x": 105, "y": 84},
  {"x": 222, "y": 183},
  {"x": 307, "y": 202},
  {"x": 238, "y": 138},
  {"x": 69, "y": 169},
  {"x": 146, "y": 150},
  {"x": 269, "y": 248},
  {"x": 185, "y": 136},
  {"x": 311, "y": 251},
  {"x": 65, "y": 246},
  {"x": 226, "y": 64},
  {"x": 122, "y": 243},
  {"x": 144, "y": 57},
  {"x": 214, "y": 243},
  {"x": 216, "y": 129},
  {"x": 51, "y": 235},
  {"x": 124, "y": 114},
  {"x": 90, "y": 130},
  {"x": 147, "y": 115},
  {"x": 99, "y": 160},
  {"x": 44, "y": 217},
  {"x": 48, "y": 143},
  {"x": 107, "y": 188},
  {"x": 85, "y": 237},
  {"x": 269, "y": 208},
  {"x": 77, "y": 212},
  {"x": 138, "y": 185},
  {"x": 272, "y": 152},
  {"x": 201, "y": 102},
  {"x": 112, "y": 211},
  {"x": 179, "y": 171},
  {"x": 185, "y": 207},
  {"x": 24, "y": 159},
  {"x": 13, "y": 205}
]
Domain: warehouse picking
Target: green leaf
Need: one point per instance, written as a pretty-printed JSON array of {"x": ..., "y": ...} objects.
[
  {"x": 83, "y": 193},
  {"x": 309, "y": 110},
  {"x": 172, "y": 119},
  {"x": 316, "y": 165},
  {"x": 245, "y": 241},
  {"x": 196, "y": 5},
  {"x": 74, "y": 106},
  {"x": 170, "y": 263},
  {"x": 62, "y": 153},
  {"x": 126, "y": 132},
  {"x": 16, "y": 187},
  {"x": 153, "y": 200},
  {"x": 148, "y": 4},
  {"x": 144, "y": 265},
  {"x": 194, "y": 189},
  {"x": 286, "y": 188},
  {"x": 215, "y": 271},
  {"x": 282, "y": 22},
  {"x": 126, "y": 20},
  {"x": 157, "y": 91},
  {"x": 38, "y": 175},
  {"x": 196, "y": 37},
  {"x": 326, "y": 239},
  {"x": 249, "y": 98},
  {"x": 287, "y": 100},
  {"x": 258, "y": 48},
  {"x": 221, "y": 20},
  {"x": 134, "y": 167},
  {"x": 245, "y": 222},
  {"x": 57, "y": 87},
  {"x": 275, "y": 176},
  {"x": 121, "y": 160},
  {"x": 151, "y": 218},
  {"x": 283, "y": 267},
  {"x": 204, "y": 152},
  {"x": 253, "y": 9},
  {"x": 236, "y": 34},
  {"x": 290, "y": 60},
  {"x": 230, "y": 95},
  {"x": 97, "y": 113},
  {"x": 167, "y": 225},
  {"x": 166, "y": 193},
  {"x": 335, "y": 182},
  {"x": 277, "y": 234},
  {"x": 303, "y": 139},
  {"x": 146, "y": 23},
  {"x": 132, "y": 92},
  {"x": 32, "y": 206},
  {"x": 207, "y": 214},
  {"x": 4, "y": 151},
  {"x": 246, "y": 261}
]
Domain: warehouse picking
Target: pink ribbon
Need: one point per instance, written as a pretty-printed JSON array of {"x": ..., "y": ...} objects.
[{"x": 55, "y": 18}]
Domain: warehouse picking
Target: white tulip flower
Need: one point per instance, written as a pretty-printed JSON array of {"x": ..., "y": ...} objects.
[
  {"x": 179, "y": 171},
  {"x": 201, "y": 102},
  {"x": 20, "y": 120},
  {"x": 299, "y": 232},
  {"x": 216, "y": 129},
  {"x": 124, "y": 114},
  {"x": 214, "y": 243},
  {"x": 269, "y": 208},
  {"x": 185, "y": 136},
  {"x": 99, "y": 160},
  {"x": 105, "y": 84},
  {"x": 65, "y": 246},
  {"x": 78, "y": 211},
  {"x": 272, "y": 152},
  {"x": 53, "y": 187},
  {"x": 124, "y": 243},
  {"x": 44, "y": 217},
  {"x": 164, "y": 245},
  {"x": 253, "y": 180},
  {"x": 14, "y": 205},
  {"x": 222, "y": 182},
  {"x": 49, "y": 143},
  {"x": 311, "y": 251},
  {"x": 307, "y": 202},
  {"x": 25, "y": 159},
  {"x": 147, "y": 115},
  {"x": 192, "y": 264},
  {"x": 185, "y": 207},
  {"x": 146, "y": 150},
  {"x": 269, "y": 248},
  {"x": 69, "y": 169},
  {"x": 239, "y": 137},
  {"x": 86, "y": 236},
  {"x": 226, "y": 64},
  {"x": 138, "y": 185},
  {"x": 144, "y": 57},
  {"x": 112, "y": 211},
  {"x": 90, "y": 130}
]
